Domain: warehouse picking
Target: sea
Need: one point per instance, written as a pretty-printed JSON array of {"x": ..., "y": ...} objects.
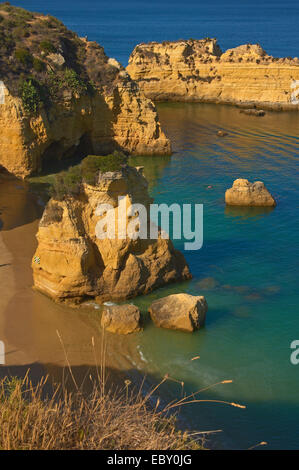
[{"x": 248, "y": 266}]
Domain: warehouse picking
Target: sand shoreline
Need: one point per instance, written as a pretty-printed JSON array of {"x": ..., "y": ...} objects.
[{"x": 29, "y": 321}]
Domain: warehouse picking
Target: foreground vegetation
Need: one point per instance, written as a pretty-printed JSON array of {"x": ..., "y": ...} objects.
[
  {"x": 101, "y": 420},
  {"x": 68, "y": 182}
]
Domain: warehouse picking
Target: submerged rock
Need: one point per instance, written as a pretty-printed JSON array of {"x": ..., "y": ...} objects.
[
  {"x": 182, "y": 312},
  {"x": 253, "y": 112},
  {"x": 121, "y": 319},
  {"x": 244, "y": 193},
  {"x": 222, "y": 133},
  {"x": 72, "y": 262}
]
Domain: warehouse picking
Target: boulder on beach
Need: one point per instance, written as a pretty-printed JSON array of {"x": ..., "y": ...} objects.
[
  {"x": 121, "y": 319},
  {"x": 244, "y": 193},
  {"x": 182, "y": 312}
]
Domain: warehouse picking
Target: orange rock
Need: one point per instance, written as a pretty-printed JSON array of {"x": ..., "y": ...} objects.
[{"x": 71, "y": 262}]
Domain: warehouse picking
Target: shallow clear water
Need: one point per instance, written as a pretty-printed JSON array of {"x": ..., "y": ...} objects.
[{"x": 248, "y": 266}]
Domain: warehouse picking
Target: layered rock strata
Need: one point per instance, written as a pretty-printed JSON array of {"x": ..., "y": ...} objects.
[{"x": 197, "y": 70}]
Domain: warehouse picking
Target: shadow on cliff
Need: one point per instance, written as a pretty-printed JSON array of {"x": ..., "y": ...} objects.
[{"x": 18, "y": 205}]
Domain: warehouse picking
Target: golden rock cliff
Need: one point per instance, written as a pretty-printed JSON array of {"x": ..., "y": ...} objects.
[
  {"x": 71, "y": 262},
  {"x": 60, "y": 95},
  {"x": 197, "y": 70}
]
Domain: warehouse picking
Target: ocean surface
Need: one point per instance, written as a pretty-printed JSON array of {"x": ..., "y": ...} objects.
[{"x": 248, "y": 267}]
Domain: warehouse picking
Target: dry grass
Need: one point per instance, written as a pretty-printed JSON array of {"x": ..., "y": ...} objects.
[
  {"x": 103, "y": 419},
  {"x": 67, "y": 420}
]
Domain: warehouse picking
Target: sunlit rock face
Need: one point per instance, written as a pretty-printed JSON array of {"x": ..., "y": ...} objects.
[
  {"x": 60, "y": 96},
  {"x": 197, "y": 70},
  {"x": 71, "y": 262},
  {"x": 244, "y": 193},
  {"x": 182, "y": 312}
]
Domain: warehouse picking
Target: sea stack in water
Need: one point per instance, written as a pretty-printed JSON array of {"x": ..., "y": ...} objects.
[
  {"x": 182, "y": 312},
  {"x": 197, "y": 70},
  {"x": 244, "y": 193},
  {"x": 62, "y": 96},
  {"x": 121, "y": 319},
  {"x": 71, "y": 261}
]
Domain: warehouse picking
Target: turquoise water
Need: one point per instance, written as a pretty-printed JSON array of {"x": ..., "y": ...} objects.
[
  {"x": 247, "y": 269},
  {"x": 248, "y": 266}
]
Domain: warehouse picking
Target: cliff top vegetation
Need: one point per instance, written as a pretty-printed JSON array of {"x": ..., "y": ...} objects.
[
  {"x": 69, "y": 182},
  {"x": 42, "y": 62}
]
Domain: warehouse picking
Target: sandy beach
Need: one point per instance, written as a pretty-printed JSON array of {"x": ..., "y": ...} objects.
[{"x": 29, "y": 321}]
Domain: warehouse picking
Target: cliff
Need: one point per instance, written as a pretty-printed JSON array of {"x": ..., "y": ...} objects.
[
  {"x": 60, "y": 96},
  {"x": 71, "y": 262},
  {"x": 197, "y": 70}
]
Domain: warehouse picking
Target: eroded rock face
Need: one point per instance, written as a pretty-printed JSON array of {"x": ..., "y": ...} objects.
[
  {"x": 244, "y": 193},
  {"x": 197, "y": 70},
  {"x": 183, "y": 312},
  {"x": 100, "y": 124},
  {"x": 71, "y": 262},
  {"x": 72, "y": 101},
  {"x": 121, "y": 319}
]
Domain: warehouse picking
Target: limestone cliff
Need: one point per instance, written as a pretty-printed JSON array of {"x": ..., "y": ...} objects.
[
  {"x": 197, "y": 70},
  {"x": 71, "y": 262},
  {"x": 61, "y": 95}
]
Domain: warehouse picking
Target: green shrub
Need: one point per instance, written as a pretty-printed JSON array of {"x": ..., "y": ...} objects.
[
  {"x": 93, "y": 164},
  {"x": 24, "y": 56},
  {"x": 47, "y": 47},
  {"x": 73, "y": 82},
  {"x": 38, "y": 65},
  {"x": 21, "y": 32},
  {"x": 69, "y": 182},
  {"x": 31, "y": 96}
]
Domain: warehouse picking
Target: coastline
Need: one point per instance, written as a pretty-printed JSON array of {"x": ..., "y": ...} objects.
[{"x": 29, "y": 321}]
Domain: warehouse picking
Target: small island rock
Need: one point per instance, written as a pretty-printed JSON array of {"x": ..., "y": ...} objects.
[
  {"x": 182, "y": 312},
  {"x": 121, "y": 319},
  {"x": 244, "y": 193}
]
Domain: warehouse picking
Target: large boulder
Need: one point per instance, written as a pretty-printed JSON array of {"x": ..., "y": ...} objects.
[
  {"x": 244, "y": 193},
  {"x": 183, "y": 312},
  {"x": 72, "y": 262},
  {"x": 121, "y": 319}
]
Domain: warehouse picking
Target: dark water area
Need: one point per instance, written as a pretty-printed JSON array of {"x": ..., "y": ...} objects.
[{"x": 119, "y": 26}]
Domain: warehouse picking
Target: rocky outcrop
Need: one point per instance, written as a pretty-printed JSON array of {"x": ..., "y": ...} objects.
[
  {"x": 179, "y": 312},
  {"x": 197, "y": 70},
  {"x": 71, "y": 262},
  {"x": 60, "y": 96},
  {"x": 121, "y": 319},
  {"x": 244, "y": 193}
]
